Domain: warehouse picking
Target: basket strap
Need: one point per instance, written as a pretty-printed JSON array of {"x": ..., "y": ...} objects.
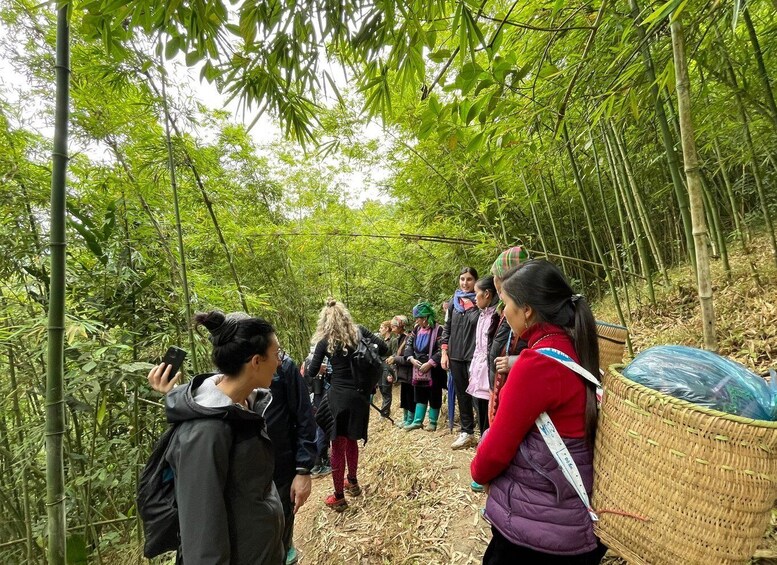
[
  {"x": 553, "y": 439},
  {"x": 570, "y": 363}
]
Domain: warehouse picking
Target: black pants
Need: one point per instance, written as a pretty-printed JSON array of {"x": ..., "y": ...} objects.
[
  {"x": 503, "y": 551},
  {"x": 481, "y": 409},
  {"x": 386, "y": 392},
  {"x": 460, "y": 372},
  {"x": 428, "y": 394},
  {"x": 406, "y": 396},
  {"x": 284, "y": 493}
]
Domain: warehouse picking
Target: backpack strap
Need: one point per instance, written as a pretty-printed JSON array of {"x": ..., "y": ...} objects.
[{"x": 553, "y": 439}]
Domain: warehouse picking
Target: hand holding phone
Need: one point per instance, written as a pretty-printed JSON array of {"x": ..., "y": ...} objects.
[
  {"x": 174, "y": 357},
  {"x": 163, "y": 377}
]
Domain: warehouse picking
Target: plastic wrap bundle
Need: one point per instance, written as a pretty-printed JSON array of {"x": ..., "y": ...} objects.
[{"x": 706, "y": 379}]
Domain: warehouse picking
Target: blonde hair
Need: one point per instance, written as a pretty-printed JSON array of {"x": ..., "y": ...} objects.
[{"x": 335, "y": 324}]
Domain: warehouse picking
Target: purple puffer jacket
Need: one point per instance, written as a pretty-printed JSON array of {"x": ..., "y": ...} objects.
[{"x": 534, "y": 506}]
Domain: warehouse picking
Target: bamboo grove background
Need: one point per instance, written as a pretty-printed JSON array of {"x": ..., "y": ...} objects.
[{"x": 551, "y": 124}]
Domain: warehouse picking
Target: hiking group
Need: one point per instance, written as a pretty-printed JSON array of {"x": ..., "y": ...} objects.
[{"x": 518, "y": 350}]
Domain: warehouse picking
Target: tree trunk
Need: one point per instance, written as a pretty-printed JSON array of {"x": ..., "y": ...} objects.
[
  {"x": 642, "y": 212},
  {"x": 23, "y": 467},
  {"x": 55, "y": 405},
  {"x": 691, "y": 160},
  {"x": 608, "y": 223},
  {"x": 762, "y": 73},
  {"x": 666, "y": 137},
  {"x": 534, "y": 214},
  {"x": 553, "y": 224},
  {"x": 181, "y": 251},
  {"x": 631, "y": 214},
  {"x": 589, "y": 221},
  {"x": 759, "y": 185}
]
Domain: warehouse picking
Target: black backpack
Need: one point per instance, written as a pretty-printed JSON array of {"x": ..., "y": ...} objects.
[
  {"x": 366, "y": 365},
  {"x": 156, "y": 501}
]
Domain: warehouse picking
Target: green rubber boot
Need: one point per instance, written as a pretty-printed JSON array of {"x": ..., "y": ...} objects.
[
  {"x": 434, "y": 413},
  {"x": 408, "y": 417},
  {"x": 418, "y": 419}
]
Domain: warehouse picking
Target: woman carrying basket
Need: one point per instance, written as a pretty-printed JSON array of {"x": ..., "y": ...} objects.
[{"x": 537, "y": 516}]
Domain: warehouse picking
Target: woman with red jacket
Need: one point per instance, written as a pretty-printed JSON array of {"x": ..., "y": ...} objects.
[{"x": 536, "y": 515}]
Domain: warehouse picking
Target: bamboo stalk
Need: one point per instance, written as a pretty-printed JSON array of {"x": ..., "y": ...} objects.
[
  {"x": 666, "y": 136},
  {"x": 754, "y": 164},
  {"x": 589, "y": 221},
  {"x": 691, "y": 160},
  {"x": 179, "y": 230}
]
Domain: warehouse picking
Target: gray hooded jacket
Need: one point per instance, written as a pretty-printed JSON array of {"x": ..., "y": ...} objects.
[{"x": 229, "y": 510}]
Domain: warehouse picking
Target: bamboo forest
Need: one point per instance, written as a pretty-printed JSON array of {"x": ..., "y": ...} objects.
[{"x": 164, "y": 159}]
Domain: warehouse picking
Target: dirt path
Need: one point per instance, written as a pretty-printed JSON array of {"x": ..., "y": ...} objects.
[{"x": 417, "y": 506}]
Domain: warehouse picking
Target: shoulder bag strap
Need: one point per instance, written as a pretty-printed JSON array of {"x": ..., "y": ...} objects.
[{"x": 553, "y": 439}]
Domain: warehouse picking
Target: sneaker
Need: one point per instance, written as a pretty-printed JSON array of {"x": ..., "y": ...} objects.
[
  {"x": 291, "y": 556},
  {"x": 352, "y": 489},
  {"x": 322, "y": 470},
  {"x": 476, "y": 487},
  {"x": 464, "y": 440},
  {"x": 315, "y": 471},
  {"x": 337, "y": 504}
]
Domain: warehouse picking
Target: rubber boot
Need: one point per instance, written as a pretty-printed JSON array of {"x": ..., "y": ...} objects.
[
  {"x": 418, "y": 419},
  {"x": 408, "y": 417},
  {"x": 434, "y": 413}
]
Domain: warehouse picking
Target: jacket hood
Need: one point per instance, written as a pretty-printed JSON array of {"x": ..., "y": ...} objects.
[{"x": 180, "y": 405}]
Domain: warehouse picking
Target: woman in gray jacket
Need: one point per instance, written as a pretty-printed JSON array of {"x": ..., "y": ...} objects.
[{"x": 229, "y": 511}]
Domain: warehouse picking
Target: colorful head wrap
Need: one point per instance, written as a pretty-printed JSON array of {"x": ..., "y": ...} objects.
[
  {"x": 508, "y": 259},
  {"x": 424, "y": 310}
]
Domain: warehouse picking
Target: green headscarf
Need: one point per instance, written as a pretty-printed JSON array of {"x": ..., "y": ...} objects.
[{"x": 424, "y": 310}]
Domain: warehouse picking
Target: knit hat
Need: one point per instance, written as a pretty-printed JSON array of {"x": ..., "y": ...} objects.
[{"x": 508, "y": 259}]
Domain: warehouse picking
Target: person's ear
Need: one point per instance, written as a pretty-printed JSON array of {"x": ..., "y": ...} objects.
[{"x": 528, "y": 313}]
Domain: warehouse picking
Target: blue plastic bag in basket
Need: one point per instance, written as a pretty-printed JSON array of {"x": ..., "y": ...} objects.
[{"x": 706, "y": 379}]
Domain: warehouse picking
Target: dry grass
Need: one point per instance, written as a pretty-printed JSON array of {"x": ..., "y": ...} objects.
[{"x": 417, "y": 506}]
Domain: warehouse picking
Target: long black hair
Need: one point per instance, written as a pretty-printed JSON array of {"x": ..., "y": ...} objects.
[
  {"x": 542, "y": 286},
  {"x": 235, "y": 339},
  {"x": 486, "y": 284}
]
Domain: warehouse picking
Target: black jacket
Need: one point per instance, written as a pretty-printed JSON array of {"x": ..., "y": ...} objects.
[
  {"x": 499, "y": 347},
  {"x": 228, "y": 507},
  {"x": 459, "y": 333},
  {"x": 403, "y": 368},
  {"x": 290, "y": 423},
  {"x": 350, "y": 408}
]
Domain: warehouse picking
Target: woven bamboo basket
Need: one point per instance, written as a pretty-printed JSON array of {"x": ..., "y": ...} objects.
[
  {"x": 612, "y": 341},
  {"x": 678, "y": 483}
]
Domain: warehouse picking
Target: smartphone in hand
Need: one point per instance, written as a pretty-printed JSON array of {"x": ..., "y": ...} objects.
[{"x": 174, "y": 356}]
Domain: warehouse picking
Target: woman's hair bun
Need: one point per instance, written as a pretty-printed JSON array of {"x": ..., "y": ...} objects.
[
  {"x": 331, "y": 301},
  {"x": 212, "y": 320}
]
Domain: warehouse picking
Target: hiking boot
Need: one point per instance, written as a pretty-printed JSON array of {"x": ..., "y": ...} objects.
[
  {"x": 352, "y": 489},
  {"x": 336, "y": 504},
  {"x": 464, "y": 440}
]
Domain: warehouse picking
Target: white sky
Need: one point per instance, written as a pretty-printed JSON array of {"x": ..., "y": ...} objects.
[{"x": 358, "y": 186}]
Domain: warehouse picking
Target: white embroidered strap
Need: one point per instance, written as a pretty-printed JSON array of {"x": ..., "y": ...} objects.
[{"x": 552, "y": 438}]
